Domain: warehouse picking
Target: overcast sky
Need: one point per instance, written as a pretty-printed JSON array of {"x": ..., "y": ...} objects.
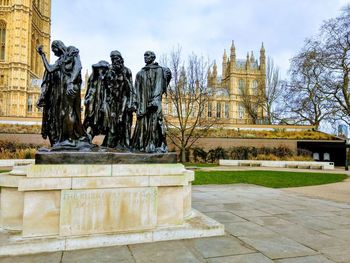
[{"x": 205, "y": 27}]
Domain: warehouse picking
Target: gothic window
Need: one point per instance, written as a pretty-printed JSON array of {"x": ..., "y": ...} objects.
[
  {"x": 36, "y": 57},
  {"x": 255, "y": 87},
  {"x": 30, "y": 104},
  {"x": 166, "y": 108},
  {"x": 218, "y": 109},
  {"x": 2, "y": 40},
  {"x": 174, "y": 110},
  {"x": 240, "y": 111},
  {"x": 210, "y": 105},
  {"x": 227, "y": 110},
  {"x": 4, "y": 2},
  {"x": 202, "y": 110},
  {"x": 241, "y": 86}
]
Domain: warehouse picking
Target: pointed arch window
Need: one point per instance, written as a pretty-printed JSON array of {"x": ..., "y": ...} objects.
[
  {"x": 241, "y": 86},
  {"x": 255, "y": 87},
  {"x": 2, "y": 40}
]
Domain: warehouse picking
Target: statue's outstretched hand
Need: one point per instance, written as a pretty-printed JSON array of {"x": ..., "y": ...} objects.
[{"x": 40, "y": 50}]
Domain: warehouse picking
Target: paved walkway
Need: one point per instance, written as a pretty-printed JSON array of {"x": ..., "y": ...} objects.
[{"x": 262, "y": 225}]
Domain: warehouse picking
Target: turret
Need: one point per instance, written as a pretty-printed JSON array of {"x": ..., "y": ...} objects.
[
  {"x": 215, "y": 71},
  {"x": 262, "y": 58},
  {"x": 247, "y": 63},
  {"x": 252, "y": 58},
  {"x": 210, "y": 77},
  {"x": 233, "y": 56},
  {"x": 224, "y": 64}
]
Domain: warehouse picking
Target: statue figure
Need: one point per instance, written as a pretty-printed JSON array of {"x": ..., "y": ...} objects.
[
  {"x": 96, "y": 108},
  {"x": 60, "y": 98},
  {"x": 119, "y": 101},
  {"x": 150, "y": 85}
]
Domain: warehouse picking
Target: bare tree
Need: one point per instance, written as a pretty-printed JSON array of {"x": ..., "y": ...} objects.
[
  {"x": 253, "y": 101},
  {"x": 329, "y": 54},
  {"x": 302, "y": 95},
  {"x": 273, "y": 91},
  {"x": 188, "y": 96}
]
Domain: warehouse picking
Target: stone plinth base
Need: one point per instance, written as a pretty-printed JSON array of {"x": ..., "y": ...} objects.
[
  {"x": 66, "y": 207},
  {"x": 102, "y": 157},
  {"x": 195, "y": 226}
]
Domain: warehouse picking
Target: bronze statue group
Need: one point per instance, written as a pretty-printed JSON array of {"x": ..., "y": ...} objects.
[{"x": 111, "y": 101}]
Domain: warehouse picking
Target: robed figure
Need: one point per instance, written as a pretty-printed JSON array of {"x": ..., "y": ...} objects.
[
  {"x": 60, "y": 98},
  {"x": 96, "y": 109},
  {"x": 119, "y": 97},
  {"x": 150, "y": 85}
]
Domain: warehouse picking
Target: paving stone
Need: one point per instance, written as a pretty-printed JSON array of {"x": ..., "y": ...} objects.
[
  {"x": 275, "y": 246},
  {"x": 160, "y": 252},
  {"x": 119, "y": 254},
  {"x": 272, "y": 210},
  {"x": 209, "y": 208},
  {"x": 236, "y": 206},
  {"x": 343, "y": 234},
  {"x": 309, "y": 259},
  {"x": 337, "y": 254},
  {"x": 38, "y": 258},
  {"x": 250, "y": 213},
  {"x": 317, "y": 223},
  {"x": 240, "y": 229},
  {"x": 306, "y": 236},
  {"x": 270, "y": 221},
  {"x": 247, "y": 258},
  {"x": 341, "y": 220},
  {"x": 219, "y": 246},
  {"x": 225, "y": 217}
]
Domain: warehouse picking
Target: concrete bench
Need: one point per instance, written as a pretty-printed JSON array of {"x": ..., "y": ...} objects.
[{"x": 279, "y": 164}]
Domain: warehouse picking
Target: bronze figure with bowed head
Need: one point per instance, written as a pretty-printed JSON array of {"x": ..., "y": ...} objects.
[
  {"x": 96, "y": 108},
  {"x": 60, "y": 99},
  {"x": 150, "y": 85},
  {"x": 120, "y": 93}
]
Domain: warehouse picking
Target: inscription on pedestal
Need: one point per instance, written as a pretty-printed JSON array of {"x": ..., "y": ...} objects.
[{"x": 107, "y": 210}]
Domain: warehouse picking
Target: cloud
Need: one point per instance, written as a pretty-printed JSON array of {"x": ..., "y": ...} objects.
[{"x": 203, "y": 26}]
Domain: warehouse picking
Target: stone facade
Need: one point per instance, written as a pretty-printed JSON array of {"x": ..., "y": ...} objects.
[
  {"x": 226, "y": 105},
  {"x": 24, "y": 25}
]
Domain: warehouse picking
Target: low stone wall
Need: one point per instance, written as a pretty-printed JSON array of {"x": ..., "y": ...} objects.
[{"x": 280, "y": 164}]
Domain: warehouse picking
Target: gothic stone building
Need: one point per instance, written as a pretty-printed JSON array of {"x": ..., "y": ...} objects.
[
  {"x": 24, "y": 24},
  {"x": 239, "y": 77}
]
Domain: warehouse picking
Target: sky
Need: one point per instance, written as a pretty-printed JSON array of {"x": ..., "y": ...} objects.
[{"x": 205, "y": 27}]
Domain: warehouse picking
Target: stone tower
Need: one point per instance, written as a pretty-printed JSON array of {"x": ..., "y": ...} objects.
[
  {"x": 238, "y": 74},
  {"x": 24, "y": 24}
]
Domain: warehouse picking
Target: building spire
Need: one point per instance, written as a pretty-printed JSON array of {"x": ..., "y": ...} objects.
[
  {"x": 262, "y": 58},
  {"x": 252, "y": 58},
  {"x": 215, "y": 70},
  {"x": 262, "y": 47},
  {"x": 233, "y": 48},
  {"x": 224, "y": 64}
]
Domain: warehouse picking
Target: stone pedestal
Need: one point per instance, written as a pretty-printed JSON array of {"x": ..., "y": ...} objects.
[{"x": 75, "y": 206}]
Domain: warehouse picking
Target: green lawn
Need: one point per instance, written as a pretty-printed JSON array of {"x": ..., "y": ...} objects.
[
  {"x": 4, "y": 171},
  {"x": 273, "y": 179}
]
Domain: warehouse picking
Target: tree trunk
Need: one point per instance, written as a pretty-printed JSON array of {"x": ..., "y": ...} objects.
[{"x": 183, "y": 155}]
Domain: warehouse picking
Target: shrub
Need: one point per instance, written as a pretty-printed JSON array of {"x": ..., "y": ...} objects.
[
  {"x": 251, "y": 153},
  {"x": 199, "y": 153},
  {"x": 14, "y": 150}
]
